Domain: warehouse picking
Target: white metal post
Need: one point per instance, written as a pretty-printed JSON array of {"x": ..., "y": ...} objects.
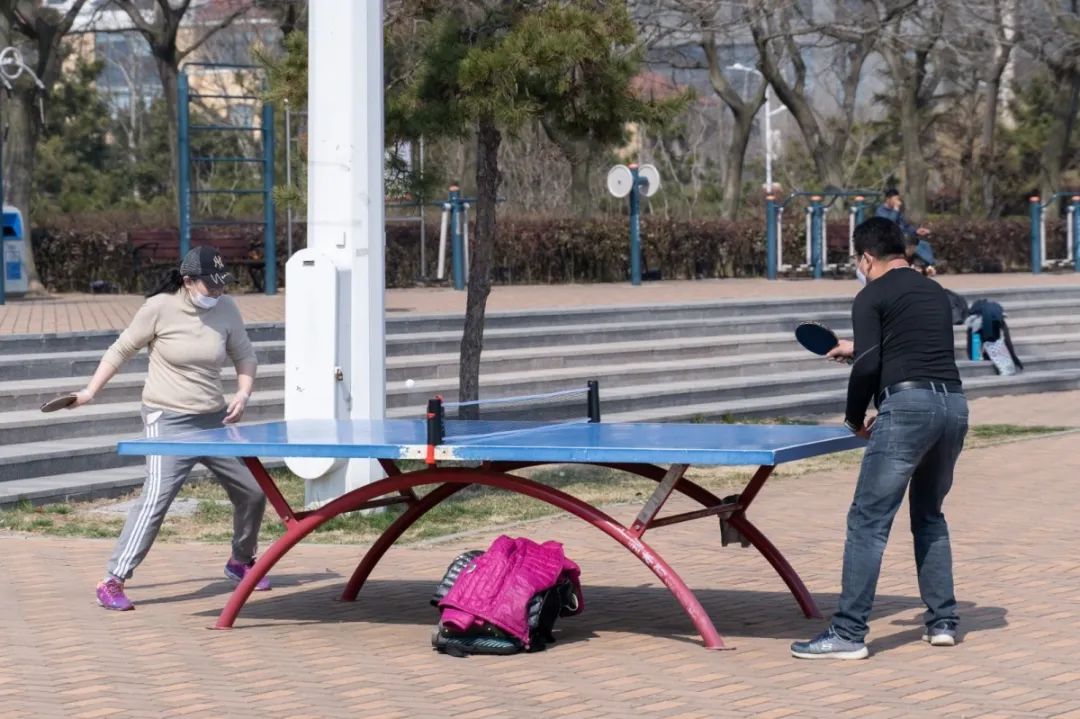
[
  {"x": 444, "y": 228},
  {"x": 345, "y": 209},
  {"x": 768, "y": 141},
  {"x": 1069, "y": 239},
  {"x": 780, "y": 238},
  {"x": 1042, "y": 239}
]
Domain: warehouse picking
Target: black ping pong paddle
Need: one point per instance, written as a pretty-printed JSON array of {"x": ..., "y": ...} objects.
[
  {"x": 817, "y": 338},
  {"x": 64, "y": 401}
]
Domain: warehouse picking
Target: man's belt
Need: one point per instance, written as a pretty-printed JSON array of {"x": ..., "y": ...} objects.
[{"x": 945, "y": 388}]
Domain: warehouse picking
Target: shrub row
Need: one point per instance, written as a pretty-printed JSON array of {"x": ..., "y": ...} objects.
[{"x": 534, "y": 250}]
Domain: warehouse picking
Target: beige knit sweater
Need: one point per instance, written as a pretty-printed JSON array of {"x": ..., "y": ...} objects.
[{"x": 188, "y": 346}]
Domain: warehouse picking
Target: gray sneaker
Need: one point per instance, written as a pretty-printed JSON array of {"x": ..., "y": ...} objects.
[
  {"x": 829, "y": 645},
  {"x": 941, "y": 634}
]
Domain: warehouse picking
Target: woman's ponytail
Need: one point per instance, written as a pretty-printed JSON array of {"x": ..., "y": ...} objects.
[{"x": 170, "y": 282}]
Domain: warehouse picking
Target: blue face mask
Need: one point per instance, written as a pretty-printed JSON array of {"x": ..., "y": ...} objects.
[{"x": 860, "y": 277}]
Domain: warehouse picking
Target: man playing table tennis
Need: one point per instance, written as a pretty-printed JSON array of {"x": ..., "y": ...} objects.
[{"x": 904, "y": 360}]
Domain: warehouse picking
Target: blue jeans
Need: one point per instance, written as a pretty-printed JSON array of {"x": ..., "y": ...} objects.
[{"x": 914, "y": 446}]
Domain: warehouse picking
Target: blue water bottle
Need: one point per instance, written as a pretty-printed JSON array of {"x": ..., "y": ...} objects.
[{"x": 976, "y": 346}]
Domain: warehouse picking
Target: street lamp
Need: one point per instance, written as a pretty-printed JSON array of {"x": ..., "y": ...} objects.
[{"x": 769, "y": 112}]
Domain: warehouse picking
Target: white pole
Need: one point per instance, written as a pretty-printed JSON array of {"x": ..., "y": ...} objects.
[
  {"x": 288, "y": 172},
  {"x": 780, "y": 238},
  {"x": 851, "y": 233},
  {"x": 1042, "y": 239},
  {"x": 1069, "y": 231},
  {"x": 423, "y": 223},
  {"x": 465, "y": 237},
  {"x": 768, "y": 142},
  {"x": 345, "y": 208},
  {"x": 809, "y": 237},
  {"x": 825, "y": 237},
  {"x": 443, "y": 229}
]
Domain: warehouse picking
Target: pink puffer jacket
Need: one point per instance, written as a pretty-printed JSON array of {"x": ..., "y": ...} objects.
[{"x": 496, "y": 587}]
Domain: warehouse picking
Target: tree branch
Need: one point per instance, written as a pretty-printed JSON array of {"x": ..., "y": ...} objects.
[
  {"x": 150, "y": 30},
  {"x": 224, "y": 23}
]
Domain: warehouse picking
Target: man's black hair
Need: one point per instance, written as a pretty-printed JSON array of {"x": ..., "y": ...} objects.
[
  {"x": 880, "y": 238},
  {"x": 892, "y": 192}
]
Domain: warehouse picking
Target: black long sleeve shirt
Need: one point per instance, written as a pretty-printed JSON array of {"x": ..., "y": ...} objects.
[{"x": 903, "y": 331}]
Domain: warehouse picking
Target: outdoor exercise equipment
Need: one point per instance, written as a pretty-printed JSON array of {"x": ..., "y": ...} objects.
[
  {"x": 623, "y": 180},
  {"x": 820, "y": 203},
  {"x": 265, "y": 163},
  {"x": 1039, "y": 259},
  {"x": 455, "y": 223}
]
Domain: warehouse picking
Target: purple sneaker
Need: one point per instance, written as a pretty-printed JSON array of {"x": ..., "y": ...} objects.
[
  {"x": 110, "y": 594},
  {"x": 236, "y": 571}
]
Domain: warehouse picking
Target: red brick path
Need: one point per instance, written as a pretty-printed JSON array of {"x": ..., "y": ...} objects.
[{"x": 298, "y": 653}]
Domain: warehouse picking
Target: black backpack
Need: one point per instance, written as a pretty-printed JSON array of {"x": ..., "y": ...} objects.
[
  {"x": 543, "y": 609},
  {"x": 959, "y": 307}
]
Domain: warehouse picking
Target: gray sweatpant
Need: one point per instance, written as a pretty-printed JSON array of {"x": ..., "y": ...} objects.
[{"x": 165, "y": 476}]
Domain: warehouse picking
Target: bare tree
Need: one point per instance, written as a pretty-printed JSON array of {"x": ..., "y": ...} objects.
[
  {"x": 38, "y": 32},
  {"x": 1053, "y": 36},
  {"x": 160, "y": 27},
  {"x": 783, "y": 34},
  {"x": 1003, "y": 19},
  {"x": 907, "y": 42},
  {"x": 743, "y": 113},
  {"x": 694, "y": 33}
]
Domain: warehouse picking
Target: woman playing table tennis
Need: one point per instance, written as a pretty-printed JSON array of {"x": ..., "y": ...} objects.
[
  {"x": 190, "y": 328},
  {"x": 903, "y": 360}
]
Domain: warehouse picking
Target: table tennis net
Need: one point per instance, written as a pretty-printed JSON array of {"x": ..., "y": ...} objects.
[{"x": 462, "y": 421}]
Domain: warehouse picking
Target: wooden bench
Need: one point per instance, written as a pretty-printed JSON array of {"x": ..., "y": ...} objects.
[{"x": 153, "y": 251}]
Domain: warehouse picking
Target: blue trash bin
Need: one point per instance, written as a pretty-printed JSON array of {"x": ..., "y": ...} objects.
[{"x": 16, "y": 281}]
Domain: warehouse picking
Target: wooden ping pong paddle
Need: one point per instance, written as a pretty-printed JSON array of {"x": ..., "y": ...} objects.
[
  {"x": 64, "y": 401},
  {"x": 817, "y": 338}
]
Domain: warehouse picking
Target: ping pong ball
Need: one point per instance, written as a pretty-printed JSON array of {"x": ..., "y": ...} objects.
[{"x": 409, "y": 383}]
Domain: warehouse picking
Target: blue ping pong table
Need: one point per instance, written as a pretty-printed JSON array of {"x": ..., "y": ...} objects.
[{"x": 660, "y": 452}]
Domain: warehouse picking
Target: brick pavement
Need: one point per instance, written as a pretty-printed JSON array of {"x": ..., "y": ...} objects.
[
  {"x": 74, "y": 312},
  {"x": 296, "y": 652}
]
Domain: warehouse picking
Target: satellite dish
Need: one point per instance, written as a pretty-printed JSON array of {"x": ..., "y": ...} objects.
[
  {"x": 620, "y": 181},
  {"x": 650, "y": 173}
]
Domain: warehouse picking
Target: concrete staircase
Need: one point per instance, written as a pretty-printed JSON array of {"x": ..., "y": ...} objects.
[{"x": 694, "y": 362}]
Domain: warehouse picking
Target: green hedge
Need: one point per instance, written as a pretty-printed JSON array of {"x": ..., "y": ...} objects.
[{"x": 533, "y": 250}]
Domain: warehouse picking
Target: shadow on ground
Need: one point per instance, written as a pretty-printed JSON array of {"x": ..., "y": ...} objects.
[{"x": 646, "y": 610}]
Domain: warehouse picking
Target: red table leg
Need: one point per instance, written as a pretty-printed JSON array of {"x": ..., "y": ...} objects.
[
  {"x": 739, "y": 521},
  {"x": 302, "y": 526},
  {"x": 391, "y": 534}
]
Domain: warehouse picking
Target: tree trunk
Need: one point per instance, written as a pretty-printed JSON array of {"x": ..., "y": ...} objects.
[
  {"x": 988, "y": 157},
  {"x": 731, "y": 182},
  {"x": 488, "y": 140},
  {"x": 915, "y": 169},
  {"x": 1058, "y": 140},
  {"x": 1005, "y": 34},
  {"x": 826, "y": 148},
  {"x": 967, "y": 168},
  {"x": 578, "y": 153},
  {"x": 742, "y": 113},
  {"x": 19, "y": 146},
  {"x": 169, "y": 75},
  {"x": 581, "y": 200}
]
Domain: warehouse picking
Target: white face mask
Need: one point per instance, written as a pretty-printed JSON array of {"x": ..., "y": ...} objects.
[
  {"x": 860, "y": 276},
  {"x": 200, "y": 300}
]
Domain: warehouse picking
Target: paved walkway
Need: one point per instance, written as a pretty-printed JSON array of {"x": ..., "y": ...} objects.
[
  {"x": 73, "y": 312},
  {"x": 298, "y": 653}
]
